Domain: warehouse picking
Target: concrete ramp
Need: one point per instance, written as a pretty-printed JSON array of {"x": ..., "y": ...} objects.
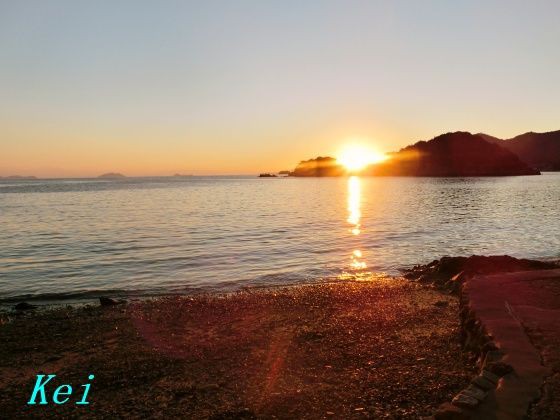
[{"x": 513, "y": 309}]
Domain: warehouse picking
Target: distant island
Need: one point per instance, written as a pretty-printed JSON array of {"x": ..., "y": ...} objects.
[
  {"x": 457, "y": 154},
  {"x": 21, "y": 177},
  {"x": 282, "y": 174},
  {"x": 182, "y": 175},
  {"x": 112, "y": 175}
]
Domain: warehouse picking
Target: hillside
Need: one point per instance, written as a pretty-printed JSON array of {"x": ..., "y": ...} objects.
[
  {"x": 452, "y": 154},
  {"x": 538, "y": 150}
]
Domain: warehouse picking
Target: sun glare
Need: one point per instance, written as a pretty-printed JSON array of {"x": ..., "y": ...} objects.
[{"x": 356, "y": 158}]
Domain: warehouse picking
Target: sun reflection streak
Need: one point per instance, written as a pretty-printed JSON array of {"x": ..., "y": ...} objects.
[
  {"x": 354, "y": 199},
  {"x": 354, "y": 219}
]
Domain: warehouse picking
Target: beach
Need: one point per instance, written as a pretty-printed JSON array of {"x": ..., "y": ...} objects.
[{"x": 383, "y": 348}]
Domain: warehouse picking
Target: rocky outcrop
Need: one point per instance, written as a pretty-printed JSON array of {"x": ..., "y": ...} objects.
[{"x": 451, "y": 271}]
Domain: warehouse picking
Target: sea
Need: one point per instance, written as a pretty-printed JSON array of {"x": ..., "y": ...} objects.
[{"x": 78, "y": 239}]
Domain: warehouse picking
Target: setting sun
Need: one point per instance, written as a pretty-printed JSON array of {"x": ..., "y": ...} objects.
[{"x": 355, "y": 158}]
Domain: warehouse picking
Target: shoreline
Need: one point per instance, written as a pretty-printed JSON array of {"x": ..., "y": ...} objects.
[
  {"x": 308, "y": 351},
  {"x": 48, "y": 301},
  {"x": 342, "y": 348}
]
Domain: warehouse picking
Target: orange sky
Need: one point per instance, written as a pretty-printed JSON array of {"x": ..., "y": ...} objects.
[{"x": 245, "y": 88}]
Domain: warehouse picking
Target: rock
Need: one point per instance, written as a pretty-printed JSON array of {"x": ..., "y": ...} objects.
[
  {"x": 483, "y": 383},
  {"x": 24, "y": 306},
  {"x": 489, "y": 347},
  {"x": 431, "y": 265},
  {"x": 498, "y": 368},
  {"x": 454, "y": 270},
  {"x": 475, "y": 392},
  {"x": 448, "y": 411},
  {"x": 456, "y": 281},
  {"x": 464, "y": 400},
  {"x": 106, "y": 301},
  {"x": 459, "y": 277},
  {"x": 493, "y": 356},
  {"x": 490, "y": 376}
]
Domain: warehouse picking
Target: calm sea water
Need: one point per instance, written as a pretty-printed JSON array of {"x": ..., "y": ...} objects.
[{"x": 147, "y": 236}]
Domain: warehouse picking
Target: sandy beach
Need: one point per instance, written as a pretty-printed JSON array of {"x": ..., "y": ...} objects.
[{"x": 386, "y": 348}]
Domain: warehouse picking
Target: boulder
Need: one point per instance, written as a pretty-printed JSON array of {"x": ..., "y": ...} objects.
[{"x": 24, "y": 306}]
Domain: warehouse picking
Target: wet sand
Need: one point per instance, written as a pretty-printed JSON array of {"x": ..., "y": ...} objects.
[{"x": 387, "y": 348}]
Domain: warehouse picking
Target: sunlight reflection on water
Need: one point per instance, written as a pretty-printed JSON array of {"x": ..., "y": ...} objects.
[{"x": 354, "y": 216}]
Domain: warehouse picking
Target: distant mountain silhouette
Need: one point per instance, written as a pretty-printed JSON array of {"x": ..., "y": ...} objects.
[
  {"x": 538, "y": 150},
  {"x": 452, "y": 154},
  {"x": 320, "y": 166},
  {"x": 112, "y": 175}
]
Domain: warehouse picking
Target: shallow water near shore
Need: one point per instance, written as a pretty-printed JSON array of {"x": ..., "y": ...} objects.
[{"x": 71, "y": 239}]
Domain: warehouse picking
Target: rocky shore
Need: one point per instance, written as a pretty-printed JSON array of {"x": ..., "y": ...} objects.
[
  {"x": 510, "y": 311},
  {"x": 387, "y": 348}
]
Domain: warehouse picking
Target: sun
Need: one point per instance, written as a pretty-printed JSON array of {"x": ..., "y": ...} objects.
[{"x": 355, "y": 157}]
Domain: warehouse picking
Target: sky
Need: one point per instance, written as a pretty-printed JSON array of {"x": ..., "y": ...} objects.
[{"x": 232, "y": 87}]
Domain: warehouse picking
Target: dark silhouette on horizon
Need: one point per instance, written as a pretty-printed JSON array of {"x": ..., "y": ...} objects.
[
  {"x": 112, "y": 175},
  {"x": 320, "y": 166},
  {"x": 452, "y": 154},
  {"x": 539, "y": 150},
  {"x": 458, "y": 154}
]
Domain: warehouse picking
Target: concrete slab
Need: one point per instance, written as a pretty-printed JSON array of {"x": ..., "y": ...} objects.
[{"x": 507, "y": 304}]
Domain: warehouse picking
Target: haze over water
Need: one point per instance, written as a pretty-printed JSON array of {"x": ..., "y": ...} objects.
[{"x": 148, "y": 236}]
